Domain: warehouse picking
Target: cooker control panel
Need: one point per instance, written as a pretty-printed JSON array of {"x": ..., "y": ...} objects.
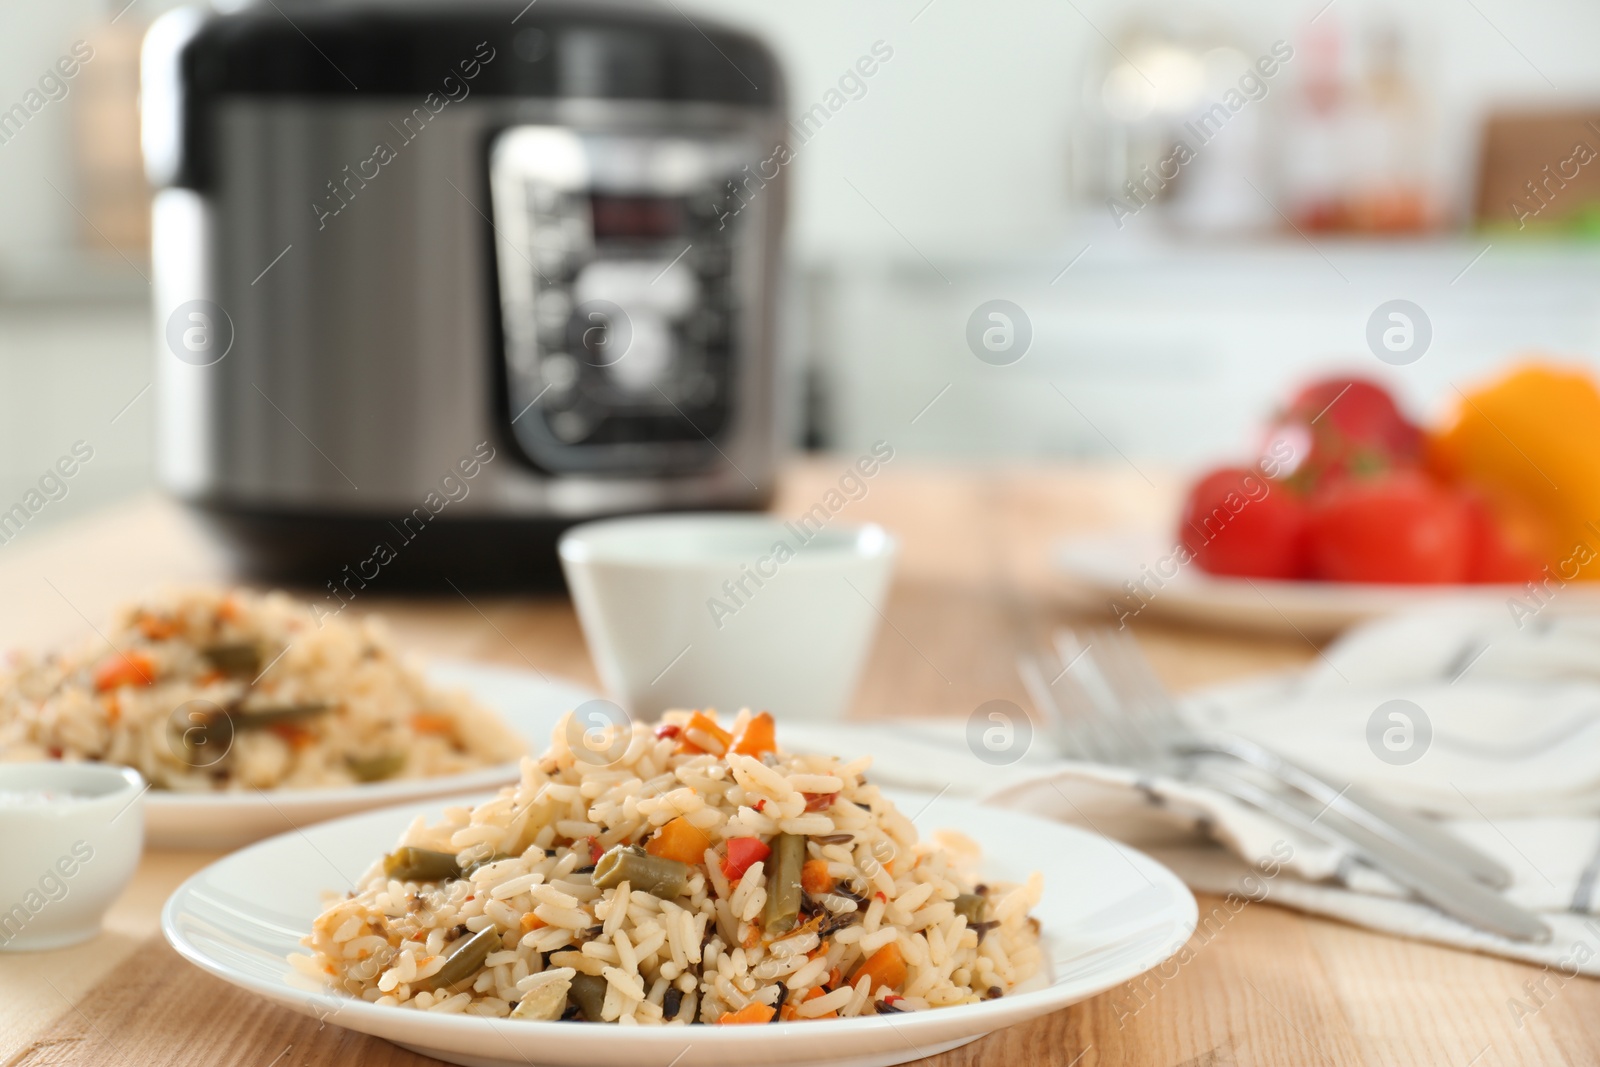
[{"x": 618, "y": 261}]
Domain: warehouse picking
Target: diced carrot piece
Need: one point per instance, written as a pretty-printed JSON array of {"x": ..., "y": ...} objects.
[
  {"x": 755, "y": 1012},
  {"x": 134, "y": 668},
  {"x": 532, "y": 922},
  {"x": 886, "y": 967},
  {"x": 759, "y": 735},
  {"x": 228, "y": 610},
  {"x": 814, "y": 877},
  {"x": 157, "y": 627},
  {"x": 679, "y": 840},
  {"x": 294, "y": 735},
  {"x": 429, "y": 722},
  {"x": 704, "y": 725}
]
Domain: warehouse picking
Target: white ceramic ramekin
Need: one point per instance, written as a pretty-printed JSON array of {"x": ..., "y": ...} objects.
[
  {"x": 728, "y": 611},
  {"x": 73, "y": 833}
]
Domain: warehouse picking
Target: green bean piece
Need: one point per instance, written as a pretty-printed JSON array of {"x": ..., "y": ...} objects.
[
  {"x": 376, "y": 768},
  {"x": 589, "y": 994},
  {"x": 973, "y": 906},
  {"x": 219, "y": 729},
  {"x": 465, "y": 961},
  {"x": 243, "y": 657},
  {"x": 248, "y": 718},
  {"x": 656, "y": 875},
  {"x": 783, "y": 884},
  {"x": 412, "y": 864}
]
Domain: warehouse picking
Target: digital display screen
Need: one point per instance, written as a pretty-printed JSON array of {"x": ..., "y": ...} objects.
[{"x": 635, "y": 216}]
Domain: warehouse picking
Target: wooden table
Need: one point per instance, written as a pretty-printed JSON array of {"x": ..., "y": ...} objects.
[{"x": 1275, "y": 987}]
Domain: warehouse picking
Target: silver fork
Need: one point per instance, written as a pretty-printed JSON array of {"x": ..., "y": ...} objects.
[
  {"x": 1152, "y": 708},
  {"x": 1088, "y": 706}
]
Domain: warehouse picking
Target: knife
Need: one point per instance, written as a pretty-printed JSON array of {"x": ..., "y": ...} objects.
[
  {"x": 1401, "y": 828},
  {"x": 1450, "y": 891}
]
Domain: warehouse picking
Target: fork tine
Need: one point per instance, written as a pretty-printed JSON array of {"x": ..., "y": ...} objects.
[
  {"x": 1097, "y": 714},
  {"x": 1149, "y": 700},
  {"x": 1132, "y": 743},
  {"x": 1032, "y": 676},
  {"x": 1136, "y": 707},
  {"x": 1160, "y": 699},
  {"x": 1137, "y": 710},
  {"x": 1080, "y": 703},
  {"x": 1079, "y": 663},
  {"x": 1071, "y": 736}
]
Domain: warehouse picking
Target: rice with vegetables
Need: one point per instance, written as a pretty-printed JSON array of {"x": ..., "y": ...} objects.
[
  {"x": 700, "y": 876},
  {"x": 226, "y": 690}
]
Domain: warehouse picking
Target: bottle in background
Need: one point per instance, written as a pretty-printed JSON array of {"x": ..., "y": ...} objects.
[{"x": 1388, "y": 137}]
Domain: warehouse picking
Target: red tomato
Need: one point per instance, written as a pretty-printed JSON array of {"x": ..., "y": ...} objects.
[
  {"x": 1237, "y": 521},
  {"x": 1493, "y": 555},
  {"x": 1399, "y": 528},
  {"x": 1355, "y": 427},
  {"x": 742, "y": 853}
]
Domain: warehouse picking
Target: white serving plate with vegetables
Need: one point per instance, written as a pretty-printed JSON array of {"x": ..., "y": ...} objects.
[
  {"x": 529, "y": 704},
  {"x": 1102, "y": 565},
  {"x": 1107, "y": 914}
]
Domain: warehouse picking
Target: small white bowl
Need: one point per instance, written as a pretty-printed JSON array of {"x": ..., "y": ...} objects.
[
  {"x": 73, "y": 833},
  {"x": 728, "y": 611}
]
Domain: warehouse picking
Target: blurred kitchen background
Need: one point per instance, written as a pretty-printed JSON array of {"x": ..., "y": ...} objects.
[{"x": 1437, "y": 153}]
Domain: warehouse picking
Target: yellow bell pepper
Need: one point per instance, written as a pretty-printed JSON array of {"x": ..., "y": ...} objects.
[{"x": 1530, "y": 444}]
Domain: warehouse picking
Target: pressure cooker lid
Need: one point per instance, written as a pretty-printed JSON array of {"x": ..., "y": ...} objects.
[
  {"x": 364, "y": 49},
  {"x": 549, "y": 48}
]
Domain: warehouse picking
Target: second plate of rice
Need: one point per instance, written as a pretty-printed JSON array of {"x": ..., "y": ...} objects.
[
  {"x": 253, "y": 713},
  {"x": 529, "y": 704}
]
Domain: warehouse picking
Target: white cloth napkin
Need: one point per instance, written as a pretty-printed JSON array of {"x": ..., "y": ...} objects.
[{"x": 1509, "y": 759}]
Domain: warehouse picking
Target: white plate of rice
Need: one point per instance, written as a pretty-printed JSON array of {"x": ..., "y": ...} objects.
[
  {"x": 528, "y": 705},
  {"x": 512, "y": 928},
  {"x": 250, "y": 714}
]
